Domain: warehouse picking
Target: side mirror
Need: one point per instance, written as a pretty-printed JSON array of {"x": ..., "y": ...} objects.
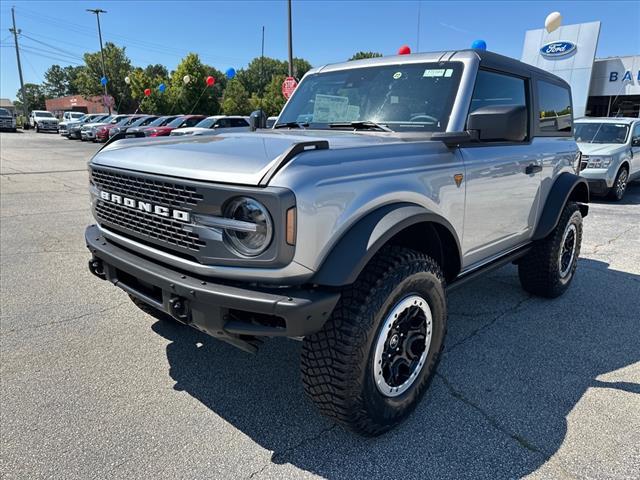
[
  {"x": 499, "y": 122},
  {"x": 635, "y": 142},
  {"x": 257, "y": 119}
]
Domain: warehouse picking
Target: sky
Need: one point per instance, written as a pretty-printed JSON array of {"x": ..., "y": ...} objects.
[{"x": 228, "y": 34}]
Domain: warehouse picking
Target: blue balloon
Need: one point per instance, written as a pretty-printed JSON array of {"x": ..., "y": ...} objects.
[
  {"x": 103, "y": 81},
  {"x": 230, "y": 73},
  {"x": 479, "y": 45},
  {"x": 162, "y": 87}
]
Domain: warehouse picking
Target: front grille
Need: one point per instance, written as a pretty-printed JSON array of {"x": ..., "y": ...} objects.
[
  {"x": 163, "y": 229},
  {"x": 155, "y": 191},
  {"x": 168, "y": 194}
]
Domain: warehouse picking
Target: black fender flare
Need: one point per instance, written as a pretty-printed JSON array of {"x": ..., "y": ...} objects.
[
  {"x": 361, "y": 242},
  {"x": 567, "y": 186}
]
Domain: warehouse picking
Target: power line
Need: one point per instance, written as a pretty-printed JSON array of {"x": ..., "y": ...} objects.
[{"x": 56, "y": 49}]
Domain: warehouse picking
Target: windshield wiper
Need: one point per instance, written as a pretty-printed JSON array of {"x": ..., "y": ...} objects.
[
  {"x": 361, "y": 125},
  {"x": 291, "y": 125}
]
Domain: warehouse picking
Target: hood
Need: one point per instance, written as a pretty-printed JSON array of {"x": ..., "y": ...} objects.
[
  {"x": 47, "y": 119},
  {"x": 91, "y": 125},
  {"x": 601, "y": 148},
  {"x": 239, "y": 158}
]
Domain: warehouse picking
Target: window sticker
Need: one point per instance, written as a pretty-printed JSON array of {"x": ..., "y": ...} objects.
[
  {"x": 397, "y": 75},
  {"x": 434, "y": 72},
  {"x": 330, "y": 108},
  {"x": 353, "y": 113},
  {"x": 449, "y": 72},
  {"x": 394, "y": 99}
]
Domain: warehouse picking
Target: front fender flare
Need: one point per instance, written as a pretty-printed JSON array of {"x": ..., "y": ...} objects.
[
  {"x": 361, "y": 242},
  {"x": 567, "y": 186}
]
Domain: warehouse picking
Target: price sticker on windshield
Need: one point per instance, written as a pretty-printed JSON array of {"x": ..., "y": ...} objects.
[{"x": 434, "y": 72}]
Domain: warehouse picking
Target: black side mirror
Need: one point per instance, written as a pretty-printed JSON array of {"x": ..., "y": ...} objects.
[
  {"x": 257, "y": 119},
  {"x": 635, "y": 142},
  {"x": 499, "y": 122}
]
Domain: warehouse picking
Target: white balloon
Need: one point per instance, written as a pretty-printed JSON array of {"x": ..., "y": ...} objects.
[
  {"x": 553, "y": 21},
  {"x": 127, "y": 80},
  {"x": 186, "y": 79}
]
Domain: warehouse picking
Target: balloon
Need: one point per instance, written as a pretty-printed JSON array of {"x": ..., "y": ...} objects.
[
  {"x": 162, "y": 87},
  {"x": 103, "y": 81},
  {"x": 553, "y": 21},
  {"x": 479, "y": 45},
  {"x": 147, "y": 92},
  {"x": 127, "y": 80},
  {"x": 230, "y": 73},
  {"x": 404, "y": 50},
  {"x": 186, "y": 79},
  {"x": 210, "y": 81}
]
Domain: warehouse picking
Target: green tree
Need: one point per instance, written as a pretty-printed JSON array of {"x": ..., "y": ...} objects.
[
  {"x": 361, "y": 55},
  {"x": 35, "y": 97},
  {"x": 55, "y": 82},
  {"x": 71, "y": 77},
  {"x": 272, "y": 101},
  {"x": 156, "y": 70},
  {"x": 260, "y": 72},
  {"x": 195, "y": 96},
  {"x": 235, "y": 100},
  {"x": 117, "y": 66}
]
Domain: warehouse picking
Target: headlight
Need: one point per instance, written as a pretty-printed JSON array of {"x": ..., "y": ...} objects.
[
  {"x": 599, "y": 162},
  {"x": 253, "y": 229}
]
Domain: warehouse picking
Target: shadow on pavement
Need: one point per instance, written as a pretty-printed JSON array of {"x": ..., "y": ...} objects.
[
  {"x": 514, "y": 368},
  {"x": 631, "y": 196}
]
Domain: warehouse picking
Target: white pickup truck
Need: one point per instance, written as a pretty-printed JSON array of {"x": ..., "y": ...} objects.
[{"x": 43, "y": 120}]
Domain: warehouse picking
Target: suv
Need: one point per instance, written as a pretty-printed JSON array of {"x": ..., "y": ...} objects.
[
  {"x": 7, "y": 120},
  {"x": 43, "y": 120},
  {"x": 610, "y": 153},
  {"x": 69, "y": 117},
  {"x": 385, "y": 183},
  {"x": 214, "y": 126}
]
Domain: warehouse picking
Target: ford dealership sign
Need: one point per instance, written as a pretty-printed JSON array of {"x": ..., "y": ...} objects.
[{"x": 557, "y": 49}]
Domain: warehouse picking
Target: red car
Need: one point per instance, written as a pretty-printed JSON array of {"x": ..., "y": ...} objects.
[
  {"x": 102, "y": 133},
  {"x": 181, "y": 121}
]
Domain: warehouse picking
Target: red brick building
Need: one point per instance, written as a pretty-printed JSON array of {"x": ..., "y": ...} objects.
[{"x": 77, "y": 103}]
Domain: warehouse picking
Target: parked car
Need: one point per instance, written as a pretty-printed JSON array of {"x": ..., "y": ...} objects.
[
  {"x": 43, "y": 120},
  {"x": 610, "y": 153},
  {"x": 104, "y": 132},
  {"x": 88, "y": 130},
  {"x": 214, "y": 125},
  {"x": 73, "y": 128},
  {"x": 139, "y": 131},
  {"x": 271, "y": 121},
  {"x": 409, "y": 176},
  {"x": 7, "y": 120},
  {"x": 136, "y": 121},
  {"x": 67, "y": 118},
  {"x": 179, "y": 122}
]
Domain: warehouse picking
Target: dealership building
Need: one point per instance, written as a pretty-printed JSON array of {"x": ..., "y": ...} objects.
[{"x": 601, "y": 87}]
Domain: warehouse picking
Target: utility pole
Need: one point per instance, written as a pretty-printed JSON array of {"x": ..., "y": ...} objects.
[
  {"x": 97, "y": 12},
  {"x": 262, "y": 63},
  {"x": 15, "y": 31},
  {"x": 290, "y": 41}
]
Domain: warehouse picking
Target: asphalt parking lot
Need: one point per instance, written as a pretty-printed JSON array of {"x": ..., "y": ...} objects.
[{"x": 93, "y": 388}]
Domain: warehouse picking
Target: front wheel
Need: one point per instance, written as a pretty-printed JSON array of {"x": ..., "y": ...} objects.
[
  {"x": 374, "y": 358},
  {"x": 548, "y": 269},
  {"x": 37, "y": 128},
  {"x": 620, "y": 185}
]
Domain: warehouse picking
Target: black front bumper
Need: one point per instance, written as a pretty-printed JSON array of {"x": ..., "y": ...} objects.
[
  {"x": 597, "y": 186},
  {"x": 235, "y": 314}
]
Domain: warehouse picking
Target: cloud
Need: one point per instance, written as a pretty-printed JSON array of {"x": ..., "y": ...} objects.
[{"x": 454, "y": 28}]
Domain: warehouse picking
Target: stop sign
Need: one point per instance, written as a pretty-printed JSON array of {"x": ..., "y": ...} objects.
[{"x": 288, "y": 86}]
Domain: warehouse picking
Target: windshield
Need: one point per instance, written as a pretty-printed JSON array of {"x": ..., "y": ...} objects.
[
  {"x": 410, "y": 97},
  {"x": 161, "y": 121},
  {"x": 76, "y": 115},
  {"x": 206, "y": 123},
  {"x": 601, "y": 132},
  {"x": 4, "y": 112},
  {"x": 175, "y": 123},
  {"x": 44, "y": 114}
]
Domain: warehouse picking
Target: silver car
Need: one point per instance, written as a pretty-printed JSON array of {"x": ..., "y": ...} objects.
[
  {"x": 384, "y": 183},
  {"x": 610, "y": 153}
]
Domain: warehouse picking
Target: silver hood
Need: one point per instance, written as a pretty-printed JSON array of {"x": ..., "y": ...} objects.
[
  {"x": 601, "y": 148},
  {"x": 238, "y": 158}
]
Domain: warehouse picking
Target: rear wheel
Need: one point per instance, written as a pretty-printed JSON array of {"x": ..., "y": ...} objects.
[
  {"x": 374, "y": 358},
  {"x": 620, "y": 185}
]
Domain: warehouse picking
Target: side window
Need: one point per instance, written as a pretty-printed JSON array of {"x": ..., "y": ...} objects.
[
  {"x": 191, "y": 122},
  {"x": 554, "y": 108},
  {"x": 239, "y": 122},
  {"x": 635, "y": 139},
  {"x": 497, "y": 89}
]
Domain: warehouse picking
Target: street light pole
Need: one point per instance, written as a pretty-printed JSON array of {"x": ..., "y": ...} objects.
[
  {"x": 290, "y": 40},
  {"x": 15, "y": 31},
  {"x": 97, "y": 12}
]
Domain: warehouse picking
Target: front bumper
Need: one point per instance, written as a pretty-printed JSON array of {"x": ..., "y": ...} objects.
[
  {"x": 48, "y": 126},
  {"x": 232, "y": 313}
]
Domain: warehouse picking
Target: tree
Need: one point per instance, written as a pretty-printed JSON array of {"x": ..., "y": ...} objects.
[
  {"x": 156, "y": 70},
  {"x": 71, "y": 77},
  {"x": 195, "y": 96},
  {"x": 235, "y": 100},
  {"x": 35, "y": 97},
  {"x": 272, "y": 101},
  {"x": 361, "y": 55},
  {"x": 260, "y": 72},
  {"x": 117, "y": 66},
  {"x": 55, "y": 82}
]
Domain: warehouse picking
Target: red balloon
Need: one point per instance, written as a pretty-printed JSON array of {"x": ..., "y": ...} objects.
[
  {"x": 210, "y": 81},
  {"x": 147, "y": 92},
  {"x": 404, "y": 50}
]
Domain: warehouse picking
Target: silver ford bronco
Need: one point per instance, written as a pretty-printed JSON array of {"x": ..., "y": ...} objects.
[{"x": 384, "y": 183}]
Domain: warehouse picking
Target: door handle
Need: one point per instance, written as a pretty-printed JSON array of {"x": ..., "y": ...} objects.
[{"x": 533, "y": 168}]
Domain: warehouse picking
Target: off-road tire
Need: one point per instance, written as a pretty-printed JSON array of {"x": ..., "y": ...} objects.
[
  {"x": 154, "y": 312},
  {"x": 539, "y": 270},
  {"x": 337, "y": 362},
  {"x": 616, "y": 193}
]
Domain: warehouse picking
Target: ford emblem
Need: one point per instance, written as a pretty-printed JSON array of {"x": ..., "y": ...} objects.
[{"x": 557, "y": 49}]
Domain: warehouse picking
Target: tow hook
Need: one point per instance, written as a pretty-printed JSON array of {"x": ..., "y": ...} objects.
[
  {"x": 180, "y": 309},
  {"x": 97, "y": 268}
]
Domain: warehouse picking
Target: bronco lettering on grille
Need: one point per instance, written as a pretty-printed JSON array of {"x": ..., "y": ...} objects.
[{"x": 148, "y": 207}]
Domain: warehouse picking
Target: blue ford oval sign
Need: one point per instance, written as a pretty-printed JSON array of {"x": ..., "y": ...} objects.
[{"x": 557, "y": 49}]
